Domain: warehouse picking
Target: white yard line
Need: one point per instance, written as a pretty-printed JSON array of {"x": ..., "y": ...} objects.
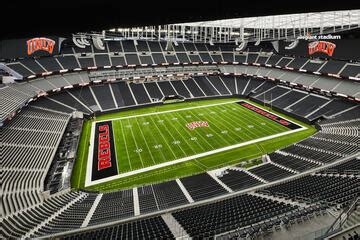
[
  {"x": 181, "y": 135},
  {"x": 174, "y": 139},
  {"x": 152, "y": 120},
  {"x": 127, "y": 151},
  {"x": 147, "y": 146},
  {"x": 246, "y": 131},
  {"x": 136, "y": 145},
  {"x": 244, "y": 122},
  {"x": 88, "y": 181},
  {"x": 157, "y": 143},
  {"x": 226, "y": 128},
  {"x": 265, "y": 128},
  {"x": 185, "y": 159}
]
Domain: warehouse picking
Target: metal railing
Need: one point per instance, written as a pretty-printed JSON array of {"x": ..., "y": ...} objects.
[{"x": 341, "y": 219}]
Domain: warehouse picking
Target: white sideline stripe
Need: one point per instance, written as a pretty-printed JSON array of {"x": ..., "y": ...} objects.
[
  {"x": 90, "y": 155},
  {"x": 88, "y": 181},
  {"x": 204, "y": 154},
  {"x": 184, "y": 190},
  {"x": 113, "y": 132}
]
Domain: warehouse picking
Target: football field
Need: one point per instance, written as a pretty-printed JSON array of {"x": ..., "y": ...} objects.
[{"x": 144, "y": 143}]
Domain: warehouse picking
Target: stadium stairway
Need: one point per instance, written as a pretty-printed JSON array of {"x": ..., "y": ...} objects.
[
  {"x": 249, "y": 173},
  {"x": 283, "y": 167},
  {"x": 282, "y": 152},
  {"x": 275, "y": 198},
  {"x": 136, "y": 202},
  {"x": 213, "y": 175},
  {"x": 176, "y": 229},
  {"x": 92, "y": 210},
  {"x": 184, "y": 190},
  {"x": 57, "y": 213}
]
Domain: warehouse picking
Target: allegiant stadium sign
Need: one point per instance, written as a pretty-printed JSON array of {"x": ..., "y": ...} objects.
[{"x": 37, "y": 44}]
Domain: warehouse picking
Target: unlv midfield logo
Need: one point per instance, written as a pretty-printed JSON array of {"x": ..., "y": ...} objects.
[
  {"x": 37, "y": 44},
  {"x": 194, "y": 125}
]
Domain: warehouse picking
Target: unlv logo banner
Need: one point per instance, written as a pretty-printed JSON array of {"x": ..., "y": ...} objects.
[
  {"x": 37, "y": 44},
  {"x": 30, "y": 47},
  {"x": 321, "y": 46}
]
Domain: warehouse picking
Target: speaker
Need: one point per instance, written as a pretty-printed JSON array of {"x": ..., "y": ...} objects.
[
  {"x": 98, "y": 43},
  {"x": 80, "y": 41},
  {"x": 292, "y": 45}
]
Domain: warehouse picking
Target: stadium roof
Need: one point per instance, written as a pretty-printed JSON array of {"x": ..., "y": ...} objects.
[
  {"x": 62, "y": 18},
  {"x": 275, "y": 27},
  {"x": 300, "y": 20}
]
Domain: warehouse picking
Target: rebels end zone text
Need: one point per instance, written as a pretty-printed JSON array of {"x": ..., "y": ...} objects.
[
  {"x": 270, "y": 116},
  {"x": 104, "y": 158}
]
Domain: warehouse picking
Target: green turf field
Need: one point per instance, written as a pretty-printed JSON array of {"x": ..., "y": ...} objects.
[
  {"x": 149, "y": 140},
  {"x": 151, "y": 136}
]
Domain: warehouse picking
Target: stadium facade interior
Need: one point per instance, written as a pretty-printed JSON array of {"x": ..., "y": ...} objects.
[{"x": 231, "y": 129}]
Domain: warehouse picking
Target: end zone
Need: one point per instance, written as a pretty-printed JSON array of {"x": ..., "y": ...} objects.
[
  {"x": 104, "y": 162},
  {"x": 276, "y": 118}
]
